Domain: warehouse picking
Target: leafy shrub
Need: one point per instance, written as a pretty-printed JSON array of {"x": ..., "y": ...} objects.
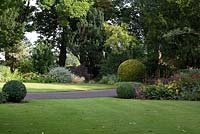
[
  {"x": 60, "y": 74},
  {"x": 190, "y": 84},
  {"x": 27, "y": 77},
  {"x": 15, "y": 91},
  {"x": 182, "y": 89},
  {"x": 109, "y": 79},
  {"x": 2, "y": 97},
  {"x": 81, "y": 71},
  {"x": 150, "y": 92},
  {"x": 25, "y": 66},
  {"x": 77, "y": 79},
  {"x": 37, "y": 78},
  {"x": 125, "y": 90},
  {"x": 42, "y": 57},
  {"x": 159, "y": 93},
  {"x": 131, "y": 70},
  {"x": 6, "y": 75}
]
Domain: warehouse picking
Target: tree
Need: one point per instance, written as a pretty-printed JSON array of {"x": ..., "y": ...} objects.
[
  {"x": 13, "y": 21},
  {"x": 11, "y": 30},
  {"x": 118, "y": 38},
  {"x": 42, "y": 57},
  {"x": 169, "y": 34},
  {"x": 14, "y": 54},
  {"x": 122, "y": 46},
  {"x": 89, "y": 40},
  {"x": 53, "y": 22}
]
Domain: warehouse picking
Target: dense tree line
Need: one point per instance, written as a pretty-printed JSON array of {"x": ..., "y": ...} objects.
[{"x": 102, "y": 33}]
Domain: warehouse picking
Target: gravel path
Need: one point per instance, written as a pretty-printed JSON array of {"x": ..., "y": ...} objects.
[{"x": 70, "y": 95}]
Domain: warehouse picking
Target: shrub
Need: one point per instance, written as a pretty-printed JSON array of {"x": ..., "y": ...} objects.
[
  {"x": 161, "y": 91},
  {"x": 2, "y": 98},
  {"x": 25, "y": 66},
  {"x": 81, "y": 71},
  {"x": 60, "y": 74},
  {"x": 28, "y": 77},
  {"x": 77, "y": 79},
  {"x": 15, "y": 91},
  {"x": 6, "y": 75},
  {"x": 131, "y": 70},
  {"x": 109, "y": 79},
  {"x": 190, "y": 84},
  {"x": 37, "y": 78},
  {"x": 91, "y": 82},
  {"x": 42, "y": 57},
  {"x": 150, "y": 92},
  {"x": 125, "y": 90}
]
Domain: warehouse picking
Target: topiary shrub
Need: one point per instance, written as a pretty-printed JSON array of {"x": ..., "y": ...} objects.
[
  {"x": 131, "y": 70},
  {"x": 2, "y": 98},
  {"x": 125, "y": 90},
  {"x": 61, "y": 75},
  {"x": 15, "y": 91}
]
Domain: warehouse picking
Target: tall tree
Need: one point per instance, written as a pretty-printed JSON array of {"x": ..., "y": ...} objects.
[
  {"x": 52, "y": 21},
  {"x": 89, "y": 40},
  {"x": 170, "y": 37},
  {"x": 11, "y": 29}
]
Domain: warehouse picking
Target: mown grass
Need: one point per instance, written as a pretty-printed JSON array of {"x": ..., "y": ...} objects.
[
  {"x": 100, "y": 116},
  {"x": 41, "y": 87}
]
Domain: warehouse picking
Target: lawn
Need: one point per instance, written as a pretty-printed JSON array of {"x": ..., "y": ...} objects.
[
  {"x": 100, "y": 116},
  {"x": 39, "y": 87}
]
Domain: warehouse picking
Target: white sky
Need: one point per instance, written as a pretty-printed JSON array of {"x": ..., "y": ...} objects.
[{"x": 32, "y": 36}]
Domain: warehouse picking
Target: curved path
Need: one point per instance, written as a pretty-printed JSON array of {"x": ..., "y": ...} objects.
[{"x": 71, "y": 95}]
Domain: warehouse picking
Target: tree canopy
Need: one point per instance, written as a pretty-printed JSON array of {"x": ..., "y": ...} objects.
[{"x": 161, "y": 33}]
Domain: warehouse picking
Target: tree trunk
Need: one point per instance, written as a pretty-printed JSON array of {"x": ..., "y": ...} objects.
[
  {"x": 63, "y": 55},
  {"x": 63, "y": 50}
]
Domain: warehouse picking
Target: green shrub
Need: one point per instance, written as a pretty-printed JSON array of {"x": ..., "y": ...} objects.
[
  {"x": 43, "y": 79},
  {"x": 6, "y": 75},
  {"x": 42, "y": 57},
  {"x": 131, "y": 70},
  {"x": 37, "y": 78},
  {"x": 61, "y": 75},
  {"x": 2, "y": 98},
  {"x": 109, "y": 79},
  {"x": 125, "y": 90},
  {"x": 28, "y": 77},
  {"x": 25, "y": 66},
  {"x": 190, "y": 84},
  {"x": 15, "y": 91},
  {"x": 161, "y": 91}
]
